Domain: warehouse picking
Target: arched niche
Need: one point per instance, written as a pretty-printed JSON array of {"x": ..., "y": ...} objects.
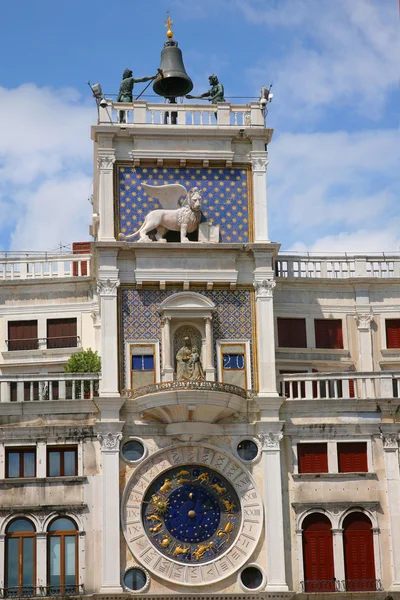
[{"x": 192, "y": 313}]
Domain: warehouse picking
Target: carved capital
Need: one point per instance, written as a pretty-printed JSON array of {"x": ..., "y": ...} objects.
[
  {"x": 106, "y": 162},
  {"x": 109, "y": 441},
  {"x": 270, "y": 441},
  {"x": 264, "y": 288},
  {"x": 107, "y": 287},
  {"x": 390, "y": 441},
  {"x": 259, "y": 163},
  {"x": 364, "y": 321}
]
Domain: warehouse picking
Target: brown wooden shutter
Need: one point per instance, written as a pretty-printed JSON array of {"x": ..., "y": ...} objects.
[
  {"x": 328, "y": 333},
  {"x": 393, "y": 333},
  {"x": 22, "y": 335},
  {"x": 313, "y": 457},
  {"x": 61, "y": 333},
  {"x": 318, "y": 554},
  {"x": 80, "y": 248},
  {"x": 359, "y": 553},
  {"x": 352, "y": 457},
  {"x": 292, "y": 333}
]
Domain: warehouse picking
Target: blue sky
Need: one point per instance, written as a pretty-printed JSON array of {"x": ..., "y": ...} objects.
[{"x": 333, "y": 175}]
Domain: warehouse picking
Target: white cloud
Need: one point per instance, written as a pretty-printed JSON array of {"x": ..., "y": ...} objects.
[
  {"x": 45, "y": 166},
  {"x": 362, "y": 241}
]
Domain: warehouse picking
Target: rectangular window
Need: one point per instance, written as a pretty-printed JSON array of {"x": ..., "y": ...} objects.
[
  {"x": 392, "y": 333},
  {"x": 61, "y": 333},
  {"x": 20, "y": 462},
  {"x": 22, "y": 335},
  {"x": 292, "y": 333},
  {"x": 352, "y": 457},
  {"x": 62, "y": 461},
  {"x": 328, "y": 334},
  {"x": 234, "y": 364},
  {"x": 143, "y": 359},
  {"x": 313, "y": 457}
]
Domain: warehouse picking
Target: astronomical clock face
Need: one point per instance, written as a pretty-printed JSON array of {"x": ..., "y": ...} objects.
[{"x": 192, "y": 515}]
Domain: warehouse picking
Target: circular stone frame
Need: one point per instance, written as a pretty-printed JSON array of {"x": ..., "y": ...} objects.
[
  {"x": 263, "y": 581},
  {"x": 146, "y": 585},
  {"x": 168, "y": 568},
  {"x": 134, "y": 439},
  {"x": 250, "y": 439}
]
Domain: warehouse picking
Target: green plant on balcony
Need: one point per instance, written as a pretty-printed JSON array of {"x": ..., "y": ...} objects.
[{"x": 84, "y": 361}]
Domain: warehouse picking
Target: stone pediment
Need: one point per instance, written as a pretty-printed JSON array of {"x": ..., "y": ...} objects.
[{"x": 191, "y": 302}]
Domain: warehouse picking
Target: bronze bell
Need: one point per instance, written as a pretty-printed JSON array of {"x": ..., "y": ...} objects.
[{"x": 176, "y": 82}]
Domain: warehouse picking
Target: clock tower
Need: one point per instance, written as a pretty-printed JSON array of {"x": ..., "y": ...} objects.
[{"x": 189, "y": 429}]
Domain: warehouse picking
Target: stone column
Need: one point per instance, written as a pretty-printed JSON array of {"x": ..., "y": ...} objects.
[
  {"x": 209, "y": 367},
  {"x": 364, "y": 341},
  {"x": 105, "y": 163},
  {"x": 272, "y": 492},
  {"x": 300, "y": 558},
  {"x": 41, "y": 560},
  {"x": 2, "y": 561},
  {"x": 377, "y": 553},
  {"x": 168, "y": 369},
  {"x": 259, "y": 161},
  {"x": 338, "y": 554},
  {"x": 391, "y": 451},
  {"x": 265, "y": 337},
  {"x": 111, "y": 577},
  {"x": 107, "y": 290}
]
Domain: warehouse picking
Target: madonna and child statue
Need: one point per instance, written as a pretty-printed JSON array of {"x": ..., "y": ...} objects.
[{"x": 188, "y": 363}]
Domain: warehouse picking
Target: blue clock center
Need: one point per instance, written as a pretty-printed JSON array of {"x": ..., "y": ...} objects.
[{"x": 193, "y": 514}]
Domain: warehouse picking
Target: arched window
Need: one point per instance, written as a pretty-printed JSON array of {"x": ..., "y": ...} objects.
[
  {"x": 63, "y": 556},
  {"x": 318, "y": 554},
  {"x": 20, "y": 557},
  {"x": 359, "y": 553}
]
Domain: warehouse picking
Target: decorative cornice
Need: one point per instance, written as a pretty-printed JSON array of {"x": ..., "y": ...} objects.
[
  {"x": 106, "y": 162},
  {"x": 335, "y": 507},
  {"x": 364, "y": 321},
  {"x": 270, "y": 441},
  {"x": 390, "y": 441},
  {"x": 264, "y": 288},
  {"x": 108, "y": 287},
  {"x": 109, "y": 441}
]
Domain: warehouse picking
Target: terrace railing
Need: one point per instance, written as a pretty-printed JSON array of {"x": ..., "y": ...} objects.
[
  {"x": 346, "y": 266},
  {"x": 19, "y": 266}
]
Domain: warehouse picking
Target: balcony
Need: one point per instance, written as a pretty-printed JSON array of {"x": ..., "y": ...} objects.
[
  {"x": 344, "y": 386},
  {"x": 346, "y": 585},
  {"x": 30, "y": 591},
  {"x": 337, "y": 266},
  {"x": 47, "y": 388},
  {"x": 71, "y": 341},
  {"x": 194, "y": 114},
  {"x": 24, "y": 266}
]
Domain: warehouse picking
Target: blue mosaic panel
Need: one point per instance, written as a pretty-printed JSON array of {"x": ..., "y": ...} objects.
[
  {"x": 141, "y": 321},
  {"x": 225, "y": 197}
]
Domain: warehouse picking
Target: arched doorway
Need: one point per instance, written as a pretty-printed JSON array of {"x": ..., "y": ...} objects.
[
  {"x": 318, "y": 554},
  {"x": 359, "y": 553}
]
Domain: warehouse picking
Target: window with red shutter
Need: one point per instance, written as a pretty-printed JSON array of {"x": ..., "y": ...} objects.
[
  {"x": 352, "y": 457},
  {"x": 393, "y": 333},
  {"x": 328, "y": 334},
  {"x": 359, "y": 553},
  {"x": 22, "y": 335},
  {"x": 292, "y": 333},
  {"x": 318, "y": 554},
  {"x": 313, "y": 457},
  {"x": 61, "y": 333}
]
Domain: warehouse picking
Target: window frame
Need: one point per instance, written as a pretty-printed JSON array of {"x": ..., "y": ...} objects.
[
  {"x": 130, "y": 346},
  {"x": 34, "y": 340},
  {"x": 298, "y": 319},
  {"x": 69, "y": 337},
  {"x": 62, "y": 450},
  {"x": 221, "y": 344},
  {"x": 20, "y": 535},
  {"x": 333, "y": 463},
  {"x": 301, "y": 448},
  {"x": 62, "y": 534},
  {"x": 352, "y": 442},
  {"x": 325, "y": 320},
  {"x": 21, "y": 450}
]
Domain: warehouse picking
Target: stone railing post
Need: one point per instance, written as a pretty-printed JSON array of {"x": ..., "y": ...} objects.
[
  {"x": 259, "y": 162},
  {"x": 272, "y": 491}
]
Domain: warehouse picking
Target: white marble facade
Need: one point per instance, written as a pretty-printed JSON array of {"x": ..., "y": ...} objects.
[{"x": 232, "y": 294}]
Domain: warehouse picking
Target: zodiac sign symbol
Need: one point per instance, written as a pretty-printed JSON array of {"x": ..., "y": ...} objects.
[
  {"x": 229, "y": 506},
  {"x": 166, "y": 486},
  {"x": 165, "y": 542},
  {"x": 153, "y": 518},
  {"x": 182, "y": 473},
  {"x": 156, "y": 528},
  {"x": 225, "y": 533},
  {"x": 202, "y": 549},
  {"x": 203, "y": 477},
  {"x": 181, "y": 550},
  {"x": 159, "y": 505},
  {"x": 220, "y": 490}
]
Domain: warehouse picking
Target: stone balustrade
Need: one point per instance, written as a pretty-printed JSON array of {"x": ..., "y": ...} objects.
[
  {"x": 141, "y": 112},
  {"x": 42, "y": 388},
  {"x": 320, "y": 266},
  {"x": 333, "y": 386},
  {"x": 17, "y": 266}
]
